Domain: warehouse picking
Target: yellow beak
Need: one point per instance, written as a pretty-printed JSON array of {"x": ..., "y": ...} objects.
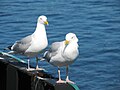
[
  {"x": 46, "y": 22},
  {"x": 66, "y": 42}
]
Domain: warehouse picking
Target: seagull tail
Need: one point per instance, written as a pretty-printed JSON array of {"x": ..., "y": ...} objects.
[
  {"x": 8, "y": 48},
  {"x": 47, "y": 56},
  {"x": 42, "y": 59}
]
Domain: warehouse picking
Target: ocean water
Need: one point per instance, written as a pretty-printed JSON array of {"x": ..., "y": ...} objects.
[{"x": 95, "y": 22}]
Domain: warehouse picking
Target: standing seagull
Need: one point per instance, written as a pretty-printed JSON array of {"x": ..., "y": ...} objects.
[
  {"x": 63, "y": 53},
  {"x": 31, "y": 45}
]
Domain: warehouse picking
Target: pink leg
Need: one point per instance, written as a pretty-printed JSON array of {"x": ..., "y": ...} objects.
[
  {"x": 59, "y": 81},
  {"x": 29, "y": 69},
  {"x": 67, "y": 78},
  {"x": 37, "y": 68}
]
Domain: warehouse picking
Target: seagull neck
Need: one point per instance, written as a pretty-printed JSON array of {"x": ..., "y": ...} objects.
[
  {"x": 40, "y": 29},
  {"x": 73, "y": 44}
]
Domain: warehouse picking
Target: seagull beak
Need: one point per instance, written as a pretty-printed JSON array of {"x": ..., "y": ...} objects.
[
  {"x": 66, "y": 42},
  {"x": 46, "y": 22}
]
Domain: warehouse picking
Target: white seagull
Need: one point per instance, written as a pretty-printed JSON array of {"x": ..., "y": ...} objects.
[
  {"x": 63, "y": 53},
  {"x": 31, "y": 45}
]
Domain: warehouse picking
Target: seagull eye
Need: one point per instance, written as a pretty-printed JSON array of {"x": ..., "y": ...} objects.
[
  {"x": 72, "y": 37},
  {"x": 40, "y": 18}
]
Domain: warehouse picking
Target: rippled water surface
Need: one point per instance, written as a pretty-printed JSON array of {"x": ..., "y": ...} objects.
[{"x": 96, "y": 23}]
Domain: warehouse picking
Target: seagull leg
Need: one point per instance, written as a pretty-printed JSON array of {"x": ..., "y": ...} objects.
[
  {"x": 37, "y": 67},
  {"x": 28, "y": 63},
  {"x": 67, "y": 77},
  {"x": 37, "y": 63},
  {"x": 59, "y": 81},
  {"x": 29, "y": 69}
]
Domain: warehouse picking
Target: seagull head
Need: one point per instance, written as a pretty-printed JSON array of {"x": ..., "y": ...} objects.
[
  {"x": 70, "y": 37},
  {"x": 42, "y": 20}
]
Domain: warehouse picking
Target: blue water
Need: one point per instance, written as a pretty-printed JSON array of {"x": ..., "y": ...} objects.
[{"x": 96, "y": 24}]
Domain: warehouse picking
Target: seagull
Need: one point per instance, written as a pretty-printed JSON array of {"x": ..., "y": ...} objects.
[
  {"x": 62, "y": 54},
  {"x": 33, "y": 44}
]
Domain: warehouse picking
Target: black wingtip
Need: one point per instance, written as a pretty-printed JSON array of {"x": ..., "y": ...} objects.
[
  {"x": 47, "y": 56},
  {"x": 8, "y": 48}
]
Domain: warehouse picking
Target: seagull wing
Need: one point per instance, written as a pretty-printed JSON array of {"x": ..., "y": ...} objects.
[
  {"x": 22, "y": 45},
  {"x": 52, "y": 51}
]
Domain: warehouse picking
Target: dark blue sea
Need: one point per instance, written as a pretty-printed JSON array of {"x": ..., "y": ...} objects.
[{"x": 95, "y": 22}]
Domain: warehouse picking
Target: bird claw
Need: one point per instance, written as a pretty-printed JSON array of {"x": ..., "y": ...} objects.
[
  {"x": 30, "y": 69},
  {"x": 40, "y": 68},
  {"x": 60, "y": 81},
  {"x": 69, "y": 81}
]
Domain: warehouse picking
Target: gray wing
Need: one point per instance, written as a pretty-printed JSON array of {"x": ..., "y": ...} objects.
[
  {"x": 55, "y": 46},
  {"x": 52, "y": 51},
  {"x": 22, "y": 45}
]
